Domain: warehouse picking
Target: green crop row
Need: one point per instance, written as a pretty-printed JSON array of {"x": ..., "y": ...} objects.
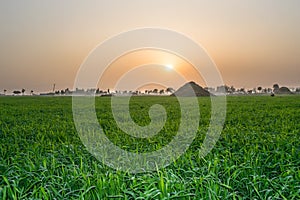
[{"x": 256, "y": 157}]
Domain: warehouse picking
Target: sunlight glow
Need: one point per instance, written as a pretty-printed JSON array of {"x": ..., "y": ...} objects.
[{"x": 169, "y": 66}]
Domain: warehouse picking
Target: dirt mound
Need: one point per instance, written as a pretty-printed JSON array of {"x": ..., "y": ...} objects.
[
  {"x": 283, "y": 90},
  {"x": 185, "y": 91}
]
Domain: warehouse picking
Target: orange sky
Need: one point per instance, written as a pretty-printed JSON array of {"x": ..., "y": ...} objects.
[
  {"x": 253, "y": 42},
  {"x": 150, "y": 66}
]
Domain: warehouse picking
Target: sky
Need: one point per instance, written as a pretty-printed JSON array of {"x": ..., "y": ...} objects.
[{"x": 252, "y": 42}]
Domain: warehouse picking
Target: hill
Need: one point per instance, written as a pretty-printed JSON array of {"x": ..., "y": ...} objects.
[
  {"x": 283, "y": 90},
  {"x": 185, "y": 91}
]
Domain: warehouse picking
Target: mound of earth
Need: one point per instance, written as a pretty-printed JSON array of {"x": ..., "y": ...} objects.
[
  {"x": 283, "y": 90},
  {"x": 185, "y": 91}
]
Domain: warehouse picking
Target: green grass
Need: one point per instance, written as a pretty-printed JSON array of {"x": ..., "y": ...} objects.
[{"x": 256, "y": 157}]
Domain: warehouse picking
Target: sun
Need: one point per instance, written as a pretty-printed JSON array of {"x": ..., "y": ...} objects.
[{"x": 169, "y": 66}]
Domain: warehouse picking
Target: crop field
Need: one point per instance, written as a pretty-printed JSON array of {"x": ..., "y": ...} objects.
[{"x": 256, "y": 157}]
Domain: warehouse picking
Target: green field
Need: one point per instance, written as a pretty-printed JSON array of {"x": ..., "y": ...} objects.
[{"x": 256, "y": 157}]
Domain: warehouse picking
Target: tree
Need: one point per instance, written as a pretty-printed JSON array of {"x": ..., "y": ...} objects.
[
  {"x": 31, "y": 92},
  {"x": 4, "y": 91},
  {"x": 275, "y": 88},
  {"x": 136, "y": 92},
  {"x": 23, "y": 91},
  {"x": 170, "y": 90},
  {"x": 67, "y": 91},
  {"x": 265, "y": 90},
  {"x": 161, "y": 91},
  {"x": 242, "y": 90},
  {"x": 155, "y": 91},
  {"x": 269, "y": 90},
  {"x": 259, "y": 89},
  {"x": 91, "y": 91},
  {"x": 16, "y": 92},
  {"x": 223, "y": 89},
  {"x": 232, "y": 89}
]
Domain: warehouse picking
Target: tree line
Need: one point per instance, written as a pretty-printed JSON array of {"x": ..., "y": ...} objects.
[{"x": 220, "y": 89}]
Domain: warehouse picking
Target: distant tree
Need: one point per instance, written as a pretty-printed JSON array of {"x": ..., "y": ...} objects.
[
  {"x": 108, "y": 91},
  {"x": 265, "y": 90},
  {"x": 210, "y": 89},
  {"x": 232, "y": 89},
  {"x": 4, "y": 91},
  {"x": 91, "y": 91},
  {"x": 170, "y": 90},
  {"x": 259, "y": 89},
  {"x": 23, "y": 91},
  {"x": 146, "y": 91},
  {"x": 155, "y": 91},
  {"x": 223, "y": 89},
  {"x": 227, "y": 89},
  {"x": 269, "y": 90},
  {"x": 79, "y": 91},
  {"x": 67, "y": 91},
  {"x": 161, "y": 91},
  {"x": 16, "y": 92},
  {"x": 275, "y": 88},
  {"x": 297, "y": 89},
  {"x": 31, "y": 92},
  {"x": 241, "y": 90}
]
